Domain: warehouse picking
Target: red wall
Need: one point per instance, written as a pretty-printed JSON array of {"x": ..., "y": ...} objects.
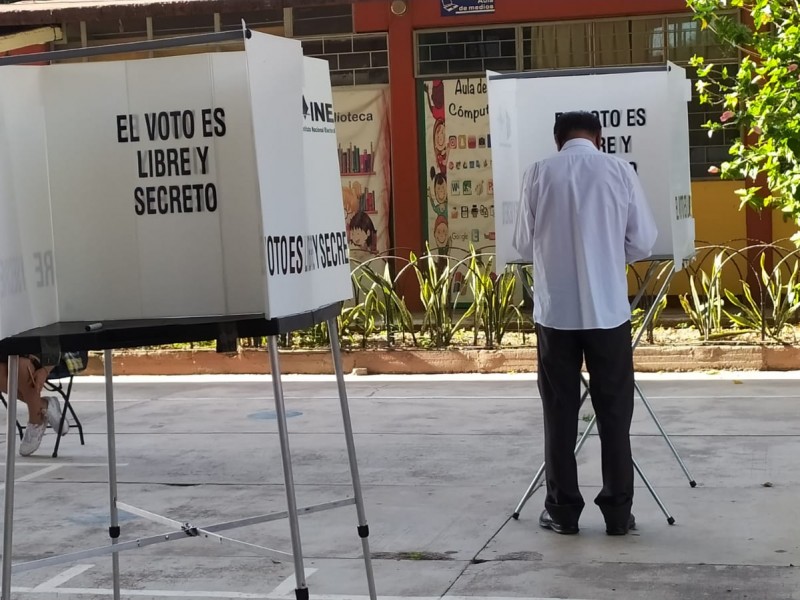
[{"x": 423, "y": 14}]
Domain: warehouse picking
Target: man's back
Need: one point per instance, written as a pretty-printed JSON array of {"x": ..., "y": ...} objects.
[{"x": 583, "y": 217}]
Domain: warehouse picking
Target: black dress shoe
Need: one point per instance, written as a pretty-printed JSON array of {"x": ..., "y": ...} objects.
[
  {"x": 546, "y": 521},
  {"x": 622, "y": 529}
]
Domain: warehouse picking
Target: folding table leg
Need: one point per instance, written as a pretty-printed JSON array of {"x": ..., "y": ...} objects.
[
  {"x": 363, "y": 527},
  {"x": 301, "y": 590},
  {"x": 113, "y": 530},
  {"x": 11, "y": 457}
]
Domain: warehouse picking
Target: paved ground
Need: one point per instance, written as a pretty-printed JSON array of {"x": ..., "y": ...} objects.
[{"x": 443, "y": 462}]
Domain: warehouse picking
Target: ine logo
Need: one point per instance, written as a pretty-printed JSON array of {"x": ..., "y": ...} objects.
[{"x": 318, "y": 112}]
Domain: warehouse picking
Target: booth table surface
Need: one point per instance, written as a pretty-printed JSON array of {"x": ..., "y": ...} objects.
[{"x": 73, "y": 336}]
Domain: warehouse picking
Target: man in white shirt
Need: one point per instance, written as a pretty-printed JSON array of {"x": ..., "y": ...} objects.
[{"x": 583, "y": 216}]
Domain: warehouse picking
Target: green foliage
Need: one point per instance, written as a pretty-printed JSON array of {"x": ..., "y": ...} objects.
[
  {"x": 762, "y": 101},
  {"x": 778, "y": 304},
  {"x": 493, "y": 304},
  {"x": 704, "y": 307},
  {"x": 313, "y": 337},
  {"x": 392, "y": 307},
  {"x": 638, "y": 314},
  {"x": 441, "y": 282}
]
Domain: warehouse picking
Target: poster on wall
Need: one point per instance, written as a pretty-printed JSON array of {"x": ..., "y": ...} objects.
[
  {"x": 459, "y": 189},
  {"x": 452, "y": 8},
  {"x": 362, "y": 133}
]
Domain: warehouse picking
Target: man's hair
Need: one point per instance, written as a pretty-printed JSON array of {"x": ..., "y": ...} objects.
[{"x": 569, "y": 123}]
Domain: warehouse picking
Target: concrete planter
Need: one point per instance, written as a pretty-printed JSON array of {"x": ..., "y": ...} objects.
[{"x": 459, "y": 360}]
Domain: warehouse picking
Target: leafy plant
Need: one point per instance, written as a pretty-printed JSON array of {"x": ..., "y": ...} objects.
[
  {"x": 638, "y": 314},
  {"x": 762, "y": 100},
  {"x": 441, "y": 286},
  {"x": 396, "y": 315},
  {"x": 348, "y": 323},
  {"x": 313, "y": 337},
  {"x": 781, "y": 300},
  {"x": 493, "y": 302},
  {"x": 705, "y": 310}
]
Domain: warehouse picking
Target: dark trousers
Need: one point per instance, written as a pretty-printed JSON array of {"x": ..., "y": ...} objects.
[{"x": 609, "y": 360}]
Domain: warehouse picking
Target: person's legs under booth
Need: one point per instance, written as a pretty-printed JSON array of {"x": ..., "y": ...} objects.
[{"x": 559, "y": 358}]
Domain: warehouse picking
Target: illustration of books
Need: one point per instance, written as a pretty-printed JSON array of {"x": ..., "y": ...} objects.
[
  {"x": 356, "y": 161},
  {"x": 365, "y": 197}
]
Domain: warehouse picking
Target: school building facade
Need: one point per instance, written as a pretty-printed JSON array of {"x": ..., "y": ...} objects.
[{"x": 410, "y": 92}]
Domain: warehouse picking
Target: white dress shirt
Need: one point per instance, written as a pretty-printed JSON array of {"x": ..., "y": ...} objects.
[{"x": 582, "y": 217}]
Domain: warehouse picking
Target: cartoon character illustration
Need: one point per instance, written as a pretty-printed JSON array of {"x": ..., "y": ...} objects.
[
  {"x": 438, "y": 199},
  {"x": 350, "y": 202},
  {"x": 363, "y": 235},
  {"x": 435, "y": 95},
  {"x": 441, "y": 242},
  {"x": 440, "y": 146},
  {"x": 441, "y": 234}
]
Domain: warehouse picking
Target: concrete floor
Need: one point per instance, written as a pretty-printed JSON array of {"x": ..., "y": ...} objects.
[{"x": 443, "y": 461}]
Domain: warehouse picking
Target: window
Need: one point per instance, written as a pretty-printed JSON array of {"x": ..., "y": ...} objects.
[
  {"x": 685, "y": 38},
  {"x": 467, "y": 51},
  {"x": 557, "y": 46},
  {"x": 706, "y": 151},
  {"x": 353, "y": 59},
  {"x": 629, "y": 42}
]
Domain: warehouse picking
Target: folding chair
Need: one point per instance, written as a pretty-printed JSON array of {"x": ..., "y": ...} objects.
[{"x": 60, "y": 381}]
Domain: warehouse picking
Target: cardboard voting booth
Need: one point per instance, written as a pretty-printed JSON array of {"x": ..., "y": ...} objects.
[
  {"x": 163, "y": 200},
  {"x": 184, "y": 186},
  {"x": 644, "y": 114}
]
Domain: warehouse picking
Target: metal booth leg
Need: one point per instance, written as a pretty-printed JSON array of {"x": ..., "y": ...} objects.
[
  {"x": 113, "y": 529},
  {"x": 666, "y": 437},
  {"x": 11, "y": 457},
  {"x": 670, "y": 518},
  {"x": 363, "y": 527},
  {"x": 301, "y": 590}
]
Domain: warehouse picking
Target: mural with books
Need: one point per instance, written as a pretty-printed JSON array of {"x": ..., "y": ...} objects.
[
  {"x": 362, "y": 131},
  {"x": 457, "y": 163}
]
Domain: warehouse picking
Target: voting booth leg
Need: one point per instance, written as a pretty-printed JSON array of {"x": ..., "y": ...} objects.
[
  {"x": 11, "y": 456},
  {"x": 113, "y": 528},
  {"x": 645, "y": 322},
  {"x": 363, "y": 527},
  {"x": 670, "y": 519},
  {"x": 677, "y": 456},
  {"x": 651, "y": 311},
  {"x": 301, "y": 590}
]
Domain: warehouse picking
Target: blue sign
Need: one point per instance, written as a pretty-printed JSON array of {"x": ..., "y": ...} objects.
[{"x": 453, "y": 8}]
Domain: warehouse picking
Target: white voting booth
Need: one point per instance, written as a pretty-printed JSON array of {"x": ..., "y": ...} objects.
[
  {"x": 641, "y": 110},
  {"x": 644, "y": 114},
  {"x": 170, "y": 188},
  {"x": 146, "y": 199}
]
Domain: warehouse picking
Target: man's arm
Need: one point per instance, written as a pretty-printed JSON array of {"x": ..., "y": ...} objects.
[
  {"x": 523, "y": 229},
  {"x": 641, "y": 231}
]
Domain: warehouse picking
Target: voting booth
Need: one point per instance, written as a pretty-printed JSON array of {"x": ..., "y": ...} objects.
[
  {"x": 168, "y": 188},
  {"x": 644, "y": 115},
  {"x": 172, "y": 199}
]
